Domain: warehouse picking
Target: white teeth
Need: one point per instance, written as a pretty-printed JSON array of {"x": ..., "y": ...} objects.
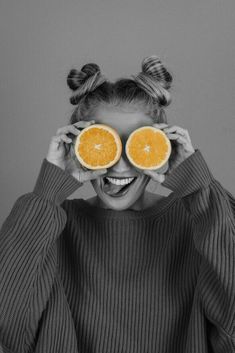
[{"x": 120, "y": 181}]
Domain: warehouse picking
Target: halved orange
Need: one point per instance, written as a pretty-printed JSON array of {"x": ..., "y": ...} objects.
[
  {"x": 98, "y": 146},
  {"x": 148, "y": 148}
]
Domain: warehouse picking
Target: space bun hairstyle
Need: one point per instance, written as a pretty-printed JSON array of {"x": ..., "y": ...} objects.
[
  {"x": 155, "y": 79},
  {"x": 84, "y": 81},
  {"x": 148, "y": 90}
]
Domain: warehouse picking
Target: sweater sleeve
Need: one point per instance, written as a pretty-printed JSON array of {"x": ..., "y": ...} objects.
[
  {"x": 27, "y": 255},
  {"x": 212, "y": 210}
]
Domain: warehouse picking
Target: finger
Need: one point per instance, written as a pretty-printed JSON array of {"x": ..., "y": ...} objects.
[
  {"x": 173, "y": 136},
  {"x": 187, "y": 145},
  {"x": 180, "y": 140},
  {"x": 61, "y": 138},
  {"x": 183, "y": 141},
  {"x": 95, "y": 173},
  {"x": 186, "y": 136},
  {"x": 68, "y": 129},
  {"x": 66, "y": 138},
  {"x": 154, "y": 175},
  {"x": 56, "y": 143},
  {"x": 90, "y": 174},
  {"x": 180, "y": 130},
  {"x": 160, "y": 125},
  {"x": 82, "y": 123},
  {"x": 72, "y": 129}
]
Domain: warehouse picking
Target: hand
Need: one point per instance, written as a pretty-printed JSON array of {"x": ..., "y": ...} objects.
[
  {"x": 61, "y": 152},
  {"x": 182, "y": 148}
]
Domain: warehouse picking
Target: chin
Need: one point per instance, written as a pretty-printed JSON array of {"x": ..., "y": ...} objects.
[{"x": 119, "y": 204}]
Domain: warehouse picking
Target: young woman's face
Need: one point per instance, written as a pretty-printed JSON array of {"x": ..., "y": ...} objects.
[{"x": 124, "y": 121}]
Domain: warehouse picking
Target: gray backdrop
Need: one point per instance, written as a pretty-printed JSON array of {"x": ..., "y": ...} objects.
[{"x": 42, "y": 40}]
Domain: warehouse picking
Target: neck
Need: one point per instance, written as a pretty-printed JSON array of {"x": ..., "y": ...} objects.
[{"x": 147, "y": 199}]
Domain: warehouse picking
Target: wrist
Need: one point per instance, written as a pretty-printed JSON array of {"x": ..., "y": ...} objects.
[
  {"x": 189, "y": 176},
  {"x": 54, "y": 183},
  {"x": 56, "y": 163}
]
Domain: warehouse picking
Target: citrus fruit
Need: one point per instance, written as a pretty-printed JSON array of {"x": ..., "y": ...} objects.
[
  {"x": 98, "y": 146},
  {"x": 148, "y": 148}
]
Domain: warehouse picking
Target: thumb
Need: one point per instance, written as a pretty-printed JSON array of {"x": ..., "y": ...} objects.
[
  {"x": 155, "y": 176},
  {"x": 97, "y": 172},
  {"x": 101, "y": 171}
]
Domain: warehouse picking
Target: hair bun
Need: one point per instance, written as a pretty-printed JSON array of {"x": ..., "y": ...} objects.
[
  {"x": 84, "y": 81},
  {"x": 155, "y": 80},
  {"x": 77, "y": 78},
  {"x": 152, "y": 66}
]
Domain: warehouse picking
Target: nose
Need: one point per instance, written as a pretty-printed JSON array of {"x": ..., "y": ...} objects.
[{"x": 123, "y": 164}]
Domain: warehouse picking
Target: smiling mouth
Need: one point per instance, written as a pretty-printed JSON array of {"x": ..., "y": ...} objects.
[{"x": 116, "y": 190}]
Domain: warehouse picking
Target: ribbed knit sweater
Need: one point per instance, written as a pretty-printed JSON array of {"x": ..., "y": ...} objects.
[{"x": 75, "y": 278}]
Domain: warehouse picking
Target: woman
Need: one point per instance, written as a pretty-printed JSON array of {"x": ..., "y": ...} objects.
[{"x": 116, "y": 273}]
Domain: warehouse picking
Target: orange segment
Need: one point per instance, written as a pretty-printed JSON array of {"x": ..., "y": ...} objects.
[
  {"x": 98, "y": 146},
  {"x": 148, "y": 148}
]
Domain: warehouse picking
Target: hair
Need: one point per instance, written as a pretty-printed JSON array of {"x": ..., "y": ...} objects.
[{"x": 148, "y": 90}]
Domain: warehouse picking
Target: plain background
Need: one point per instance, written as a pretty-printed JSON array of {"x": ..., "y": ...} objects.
[{"x": 40, "y": 41}]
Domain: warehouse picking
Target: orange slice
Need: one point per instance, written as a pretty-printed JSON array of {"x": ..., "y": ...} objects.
[
  {"x": 98, "y": 146},
  {"x": 148, "y": 148}
]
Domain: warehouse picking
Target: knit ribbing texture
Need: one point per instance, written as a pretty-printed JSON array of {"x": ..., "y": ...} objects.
[{"x": 75, "y": 278}]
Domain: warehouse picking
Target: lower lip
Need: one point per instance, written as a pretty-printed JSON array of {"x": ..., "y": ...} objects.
[{"x": 124, "y": 192}]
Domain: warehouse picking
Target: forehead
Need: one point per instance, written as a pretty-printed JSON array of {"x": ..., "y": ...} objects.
[{"x": 123, "y": 120}]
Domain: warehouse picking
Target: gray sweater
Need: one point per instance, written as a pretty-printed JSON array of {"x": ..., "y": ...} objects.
[{"x": 75, "y": 278}]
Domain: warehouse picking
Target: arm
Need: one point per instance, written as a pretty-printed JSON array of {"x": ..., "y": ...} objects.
[
  {"x": 212, "y": 209},
  {"x": 28, "y": 255}
]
